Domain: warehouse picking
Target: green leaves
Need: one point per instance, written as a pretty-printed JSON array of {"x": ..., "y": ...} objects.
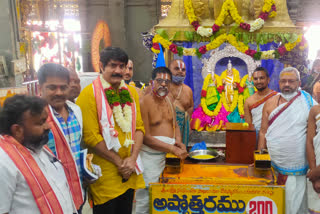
[
  {"x": 175, "y": 36},
  {"x": 163, "y": 33},
  {"x": 188, "y": 35}
]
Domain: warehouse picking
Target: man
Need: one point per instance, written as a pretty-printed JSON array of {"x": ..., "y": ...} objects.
[
  {"x": 32, "y": 178},
  {"x": 162, "y": 134},
  {"x": 313, "y": 156},
  {"x": 65, "y": 120},
  {"x": 128, "y": 77},
  {"x": 283, "y": 132},
  {"x": 310, "y": 83},
  {"x": 182, "y": 98},
  {"x": 254, "y": 104},
  {"x": 113, "y": 129},
  {"x": 128, "y": 73},
  {"x": 74, "y": 86}
]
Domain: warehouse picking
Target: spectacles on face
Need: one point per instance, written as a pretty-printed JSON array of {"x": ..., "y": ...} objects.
[
  {"x": 284, "y": 81},
  {"x": 165, "y": 81}
]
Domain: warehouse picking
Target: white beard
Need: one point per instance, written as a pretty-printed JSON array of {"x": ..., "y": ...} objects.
[{"x": 288, "y": 97}]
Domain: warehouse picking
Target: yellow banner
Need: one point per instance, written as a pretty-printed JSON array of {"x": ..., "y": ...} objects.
[{"x": 200, "y": 199}]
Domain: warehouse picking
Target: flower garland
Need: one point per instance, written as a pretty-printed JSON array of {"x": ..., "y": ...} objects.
[
  {"x": 121, "y": 107},
  {"x": 236, "y": 79},
  {"x": 206, "y": 82},
  {"x": 228, "y": 7},
  {"x": 240, "y": 46}
]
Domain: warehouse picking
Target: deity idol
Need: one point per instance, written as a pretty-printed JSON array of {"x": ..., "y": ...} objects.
[
  {"x": 247, "y": 86},
  {"x": 230, "y": 96}
]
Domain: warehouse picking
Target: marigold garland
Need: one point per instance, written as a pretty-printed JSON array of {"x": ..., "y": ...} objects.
[
  {"x": 206, "y": 82},
  {"x": 228, "y": 7},
  {"x": 240, "y": 46}
]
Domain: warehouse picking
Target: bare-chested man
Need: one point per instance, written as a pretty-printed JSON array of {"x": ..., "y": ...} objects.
[
  {"x": 182, "y": 98},
  {"x": 162, "y": 134},
  {"x": 254, "y": 104},
  {"x": 283, "y": 132}
]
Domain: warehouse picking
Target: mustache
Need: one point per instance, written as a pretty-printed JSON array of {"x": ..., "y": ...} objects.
[
  {"x": 116, "y": 75},
  {"x": 58, "y": 97},
  {"x": 162, "y": 88}
]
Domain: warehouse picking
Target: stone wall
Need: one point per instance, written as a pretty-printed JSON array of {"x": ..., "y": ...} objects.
[
  {"x": 126, "y": 20},
  {"x": 8, "y": 41}
]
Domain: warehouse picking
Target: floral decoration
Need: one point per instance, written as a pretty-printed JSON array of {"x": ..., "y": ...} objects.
[
  {"x": 207, "y": 81},
  {"x": 121, "y": 107},
  {"x": 228, "y": 7},
  {"x": 240, "y": 46}
]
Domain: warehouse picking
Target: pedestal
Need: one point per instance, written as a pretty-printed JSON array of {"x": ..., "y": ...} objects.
[{"x": 240, "y": 143}]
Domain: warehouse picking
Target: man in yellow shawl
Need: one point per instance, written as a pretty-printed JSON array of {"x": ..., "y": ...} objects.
[{"x": 113, "y": 130}]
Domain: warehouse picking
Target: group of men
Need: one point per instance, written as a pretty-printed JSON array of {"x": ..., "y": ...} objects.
[
  {"x": 287, "y": 125},
  {"x": 41, "y": 138}
]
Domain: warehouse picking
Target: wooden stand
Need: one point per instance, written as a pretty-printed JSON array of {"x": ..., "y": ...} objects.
[{"x": 240, "y": 143}]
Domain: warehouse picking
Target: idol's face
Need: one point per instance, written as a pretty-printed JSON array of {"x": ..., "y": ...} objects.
[
  {"x": 289, "y": 82},
  {"x": 260, "y": 80}
]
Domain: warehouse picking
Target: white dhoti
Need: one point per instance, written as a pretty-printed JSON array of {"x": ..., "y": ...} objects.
[
  {"x": 153, "y": 162},
  {"x": 286, "y": 142},
  {"x": 313, "y": 197}
]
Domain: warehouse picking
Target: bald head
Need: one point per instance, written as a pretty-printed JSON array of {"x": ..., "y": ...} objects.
[{"x": 74, "y": 86}]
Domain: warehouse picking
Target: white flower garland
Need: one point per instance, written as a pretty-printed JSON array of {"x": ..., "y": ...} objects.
[
  {"x": 123, "y": 116},
  {"x": 203, "y": 31},
  {"x": 257, "y": 24}
]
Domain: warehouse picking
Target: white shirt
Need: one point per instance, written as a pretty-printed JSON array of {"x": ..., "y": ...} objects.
[{"x": 15, "y": 194}]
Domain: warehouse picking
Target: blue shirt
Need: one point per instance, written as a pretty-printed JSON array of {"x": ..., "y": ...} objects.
[{"x": 72, "y": 131}]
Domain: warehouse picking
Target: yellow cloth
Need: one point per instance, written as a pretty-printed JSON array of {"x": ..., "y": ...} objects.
[
  {"x": 229, "y": 89},
  {"x": 110, "y": 185}
]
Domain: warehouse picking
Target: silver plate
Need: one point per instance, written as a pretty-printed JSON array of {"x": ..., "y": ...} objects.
[{"x": 203, "y": 152}]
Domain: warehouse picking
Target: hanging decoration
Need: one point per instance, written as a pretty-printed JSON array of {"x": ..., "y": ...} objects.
[
  {"x": 228, "y": 7},
  {"x": 231, "y": 39}
]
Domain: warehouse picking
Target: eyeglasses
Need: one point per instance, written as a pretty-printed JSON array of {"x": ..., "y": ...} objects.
[
  {"x": 287, "y": 81},
  {"x": 165, "y": 81}
]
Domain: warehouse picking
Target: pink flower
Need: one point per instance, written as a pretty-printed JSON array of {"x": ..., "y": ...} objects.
[
  {"x": 250, "y": 52},
  {"x": 245, "y": 26},
  {"x": 195, "y": 24},
  {"x": 282, "y": 50},
  {"x": 240, "y": 89},
  {"x": 173, "y": 48},
  {"x": 273, "y": 7},
  {"x": 203, "y": 49},
  {"x": 264, "y": 16},
  {"x": 156, "y": 46},
  {"x": 215, "y": 28}
]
